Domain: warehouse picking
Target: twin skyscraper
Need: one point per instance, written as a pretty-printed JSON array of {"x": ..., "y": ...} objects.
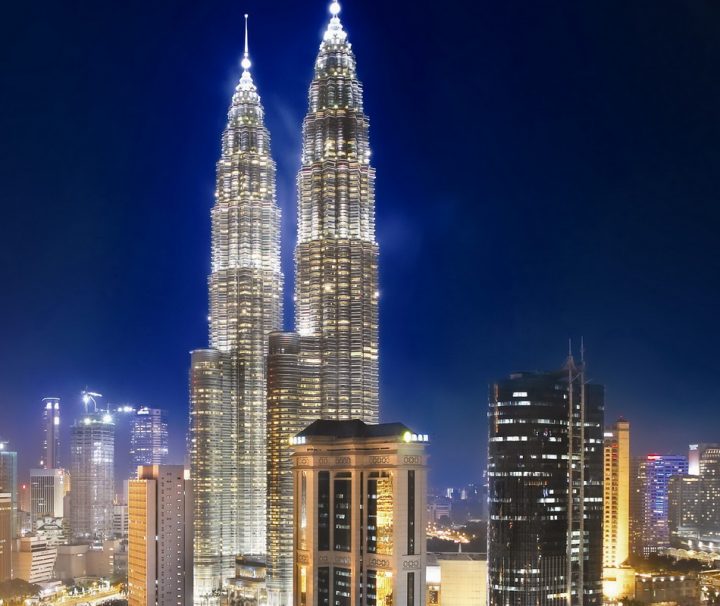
[{"x": 256, "y": 387}]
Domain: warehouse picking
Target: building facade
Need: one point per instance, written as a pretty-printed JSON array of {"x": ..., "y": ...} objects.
[
  {"x": 213, "y": 469},
  {"x": 616, "y": 496},
  {"x": 456, "y": 579},
  {"x": 694, "y": 504},
  {"x": 47, "y": 494},
  {"x": 35, "y": 560},
  {"x": 654, "y": 475},
  {"x": 148, "y": 437},
  {"x": 160, "y": 537},
  {"x": 336, "y": 259},
  {"x": 51, "y": 434},
  {"x": 92, "y": 469},
  {"x": 293, "y": 404},
  {"x": 360, "y": 517},
  {"x": 9, "y": 483},
  {"x": 6, "y": 538},
  {"x": 246, "y": 305},
  {"x": 545, "y": 520}
]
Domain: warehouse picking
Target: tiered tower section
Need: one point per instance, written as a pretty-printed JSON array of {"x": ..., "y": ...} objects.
[
  {"x": 228, "y": 382},
  {"x": 246, "y": 288},
  {"x": 337, "y": 255}
]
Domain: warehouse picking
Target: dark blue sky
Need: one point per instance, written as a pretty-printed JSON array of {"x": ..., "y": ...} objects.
[{"x": 545, "y": 170}]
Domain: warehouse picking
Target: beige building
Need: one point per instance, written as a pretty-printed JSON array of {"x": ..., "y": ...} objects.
[
  {"x": 6, "y": 516},
  {"x": 35, "y": 560},
  {"x": 456, "y": 579},
  {"x": 360, "y": 514},
  {"x": 160, "y": 543},
  {"x": 616, "y": 500},
  {"x": 47, "y": 494}
]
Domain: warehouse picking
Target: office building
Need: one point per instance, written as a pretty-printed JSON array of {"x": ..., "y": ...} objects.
[
  {"x": 160, "y": 541},
  {"x": 35, "y": 560},
  {"x": 654, "y": 476},
  {"x": 6, "y": 538},
  {"x": 47, "y": 494},
  {"x": 456, "y": 579},
  {"x": 695, "y": 453},
  {"x": 120, "y": 520},
  {"x": 694, "y": 504},
  {"x": 246, "y": 304},
  {"x": 51, "y": 434},
  {"x": 293, "y": 403},
  {"x": 544, "y": 540},
  {"x": 616, "y": 502},
  {"x": 360, "y": 493},
  {"x": 148, "y": 437},
  {"x": 9, "y": 482},
  {"x": 92, "y": 468},
  {"x": 213, "y": 465},
  {"x": 336, "y": 258}
]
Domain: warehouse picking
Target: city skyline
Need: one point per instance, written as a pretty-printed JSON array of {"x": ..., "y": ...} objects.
[{"x": 657, "y": 305}]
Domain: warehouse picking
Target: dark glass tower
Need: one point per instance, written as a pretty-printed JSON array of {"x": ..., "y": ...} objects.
[{"x": 544, "y": 540}]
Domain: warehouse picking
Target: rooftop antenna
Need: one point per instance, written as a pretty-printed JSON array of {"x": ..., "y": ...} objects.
[{"x": 246, "y": 64}]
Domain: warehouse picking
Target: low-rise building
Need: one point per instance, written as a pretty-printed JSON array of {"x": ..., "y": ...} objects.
[
  {"x": 456, "y": 579},
  {"x": 661, "y": 587},
  {"x": 35, "y": 560}
]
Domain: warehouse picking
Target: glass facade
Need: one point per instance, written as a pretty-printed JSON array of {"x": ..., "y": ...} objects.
[
  {"x": 51, "y": 434},
  {"x": 92, "y": 473},
  {"x": 342, "y": 512},
  {"x": 149, "y": 437},
  {"x": 544, "y": 534}
]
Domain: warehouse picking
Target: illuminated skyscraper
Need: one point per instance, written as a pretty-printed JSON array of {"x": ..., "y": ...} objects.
[
  {"x": 6, "y": 538},
  {"x": 9, "y": 482},
  {"x": 654, "y": 475},
  {"x": 616, "y": 497},
  {"x": 336, "y": 287},
  {"x": 51, "y": 434},
  {"x": 293, "y": 404},
  {"x": 160, "y": 537},
  {"x": 245, "y": 307},
  {"x": 149, "y": 437},
  {"x": 92, "y": 469},
  {"x": 545, "y": 517},
  {"x": 213, "y": 468}
]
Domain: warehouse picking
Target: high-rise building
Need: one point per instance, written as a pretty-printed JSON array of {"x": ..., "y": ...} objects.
[
  {"x": 47, "y": 494},
  {"x": 92, "y": 468},
  {"x": 213, "y": 465},
  {"x": 148, "y": 437},
  {"x": 293, "y": 404},
  {"x": 336, "y": 286},
  {"x": 545, "y": 517},
  {"x": 246, "y": 302},
  {"x": 360, "y": 493},
  {"x": 160, "y": 538},
  {"x": 654, "y": 475},
  {"x": 51, "y": 434},
  {"x": 616, "y": 496},
  {"x": 695, "y": 453},
  {"x": 9, "y": 482},
  {"x": 283, "y": 423},
  {"x": 6, "y": 537}
]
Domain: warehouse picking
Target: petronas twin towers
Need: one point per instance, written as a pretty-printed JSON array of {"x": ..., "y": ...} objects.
[{"x": 239, "y": 453}]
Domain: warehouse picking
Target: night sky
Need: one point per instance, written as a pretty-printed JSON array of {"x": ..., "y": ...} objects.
[{"x": 545, "y": 171}]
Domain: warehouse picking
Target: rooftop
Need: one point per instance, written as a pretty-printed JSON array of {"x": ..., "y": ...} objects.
[{"x": 353, "y": 429}]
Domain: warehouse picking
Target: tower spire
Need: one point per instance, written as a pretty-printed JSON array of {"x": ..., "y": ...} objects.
[{"x": 246, "y": 63}]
